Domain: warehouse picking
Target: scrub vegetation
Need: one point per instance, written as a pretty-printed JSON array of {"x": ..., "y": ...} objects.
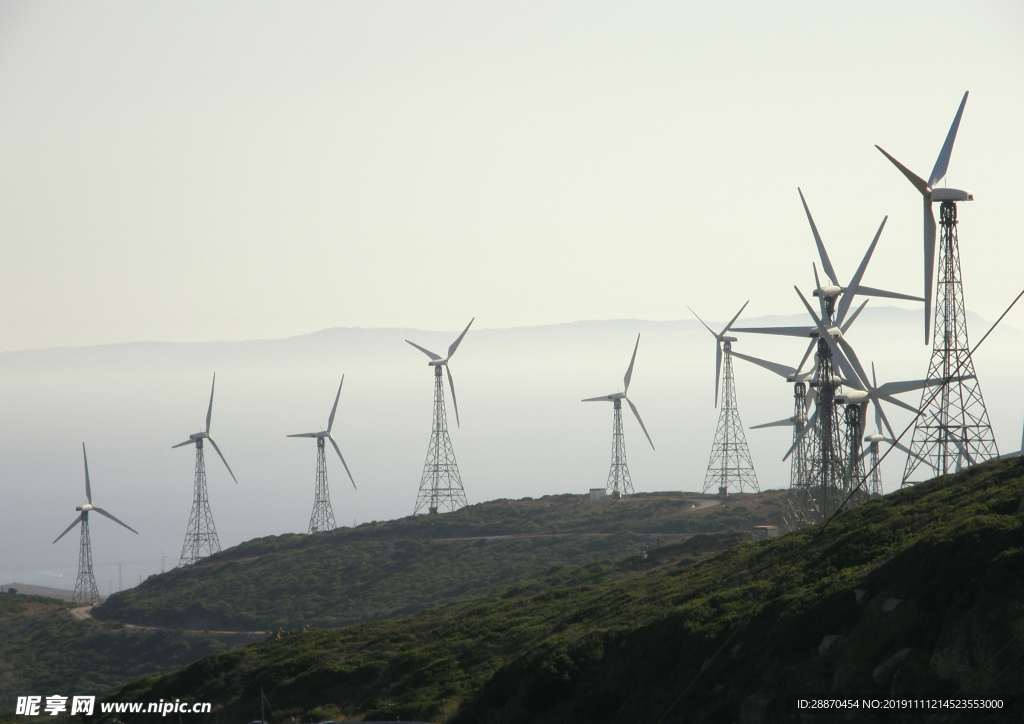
[{"x": 920, "y": 595}]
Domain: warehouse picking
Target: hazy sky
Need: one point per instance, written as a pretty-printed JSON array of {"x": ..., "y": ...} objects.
[
  {"x": 209, "y": 170},
  {"x": 205, "y": 171}
]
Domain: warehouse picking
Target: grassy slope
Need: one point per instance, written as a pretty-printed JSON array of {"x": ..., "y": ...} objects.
[
  {"x": 44, "y": 650},
  {"x": 386, "y": 569},
  {"x": 589, "y": 644}
]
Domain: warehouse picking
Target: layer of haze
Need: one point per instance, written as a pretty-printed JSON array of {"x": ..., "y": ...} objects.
[{"x": 225, "y": 180}]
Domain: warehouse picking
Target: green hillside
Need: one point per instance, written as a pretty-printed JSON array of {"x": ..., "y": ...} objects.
[
  {"x": 43, "y": 649},
  {"x": 381, "y": 570},
  {"x": 940, "y": 568}
]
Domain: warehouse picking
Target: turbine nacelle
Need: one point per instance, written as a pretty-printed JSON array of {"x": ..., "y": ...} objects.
[
  {"x": 950, "y": 195},
  {"x": 852, "y": 397},
  {"x": 86, "y": 508},
  {"x": 829, "y": 291},
  {"x": 877, "y": 437}
]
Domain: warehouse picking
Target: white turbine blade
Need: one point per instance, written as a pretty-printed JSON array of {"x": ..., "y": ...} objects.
[
  {"x": 801, "y": 435},
  {"x": 852, "y": 287},
  {"x": 88, "y": 486},
  {"x": 806, "y": 355},
  {"x": 733, "y": 320},
  {"x": 929, "y": 264},
  {"x": 642, "y": 426},
  {"x": 223, "y": 459},
  {"x": 305, "y": 434},
  {"x": 782, "y": 331},
  {"x": 703, "y": 322},
  {"x": 338, "y": 450},
  {"x": 817, "y": 285},
  {"x": 455, "y": 403},
  {"x": 718, "y": 368},
  {"x": 781, "y": 370},
  {"x": 873, "y": 292},
  {"x": 878, "y": 407},
  {"x": 76, "y": 522},
  {"x": 180, "y": 444},
  {"x": 330, "y": 420},
  {"x": 427, "y": 352},
  {"x": 606, "y": 398},
  {"x": 826, "y": 264},
  {"x": 837, "y": 354},
  {"x": 896, "y": 388},
  {"x": 942, "y": 162},
  {"x": 103, "y": 512},
  {"x": 853, "y": 317},
  {"x": 455, "y": 345},
  {"x": 919, "y": 183},
  {"x": 209, "y": 410},
  {"x": 788, "y": 422},
  {"x": 860, "y": 381},
  {"x": 885, "y": 420},
  {"x": 904, "y": 448},
  {"x": 629, "y": 370}
]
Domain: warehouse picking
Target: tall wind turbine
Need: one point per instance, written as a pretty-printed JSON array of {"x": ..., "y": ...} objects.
[
  {"x": 826, "y": 466},
  {"x": 86, "y": 593},
  {"x": 730, "y": 465},
  {"x": 619, "y": 481},
  {"x": 441, "y": 484},
  {"x": 322, "y": 517},
  {"x": 201, "y": 535},
  {"x": 955, "y": 421}
]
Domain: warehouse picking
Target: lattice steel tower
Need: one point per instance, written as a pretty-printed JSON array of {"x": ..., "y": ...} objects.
[
  {"x": 619, "y": 481},
  {"x": 730, "y": 466},
  {"x": 801, "y": 499},
  {"x": 86, "y": 593},
  {"x": 201, "y": 534},
  {"x": 826, "y": 469},
  {"x": 441, "y": 485},
  {"x": 953, "y": 427},
  {"x": 322, "y": 518}
]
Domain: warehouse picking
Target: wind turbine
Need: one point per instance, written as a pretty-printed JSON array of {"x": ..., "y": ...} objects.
[
  {"x": 441, "y": 484},
  {"x": 730, "y": 464},
  {"x": 86, "y": 593},
  {"x": 930, "y": 194},
  {"x": 619, "y": 481},
  {"x": 962, "y": 429},
  {"x": 322, "y": 517},
  {"x": 201, "y": 535}
]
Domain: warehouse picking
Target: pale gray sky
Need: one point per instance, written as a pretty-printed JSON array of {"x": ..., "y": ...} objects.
[{"x": 204, "y": 171}]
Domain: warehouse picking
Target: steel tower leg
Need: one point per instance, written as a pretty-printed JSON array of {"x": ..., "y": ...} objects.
[
  {"x": 730, "y": 466},
  {"x": 953, "y": 428},
  {"x": 322, "y": 517},
  {"x": 619, "y": 482},
  {"x": 875, "y": 479},
  {"x": 201, "y": 535},
  {"x": 854, "y": 471},
  {"x": 801, "y": 500},
  {"x": 826, "y": 465},
  {"x": 86, "y": 593},
  {"x": 441, "y": 485}
]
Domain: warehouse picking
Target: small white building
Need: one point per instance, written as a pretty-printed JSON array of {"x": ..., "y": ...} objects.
[
  {"x": 763, "y": 531},
  {"x": 597, "y": 494}
]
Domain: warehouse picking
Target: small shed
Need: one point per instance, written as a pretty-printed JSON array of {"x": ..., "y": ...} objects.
[
  {"x": 597, "y": 494},
  {"x": 763, "y": 531}
]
